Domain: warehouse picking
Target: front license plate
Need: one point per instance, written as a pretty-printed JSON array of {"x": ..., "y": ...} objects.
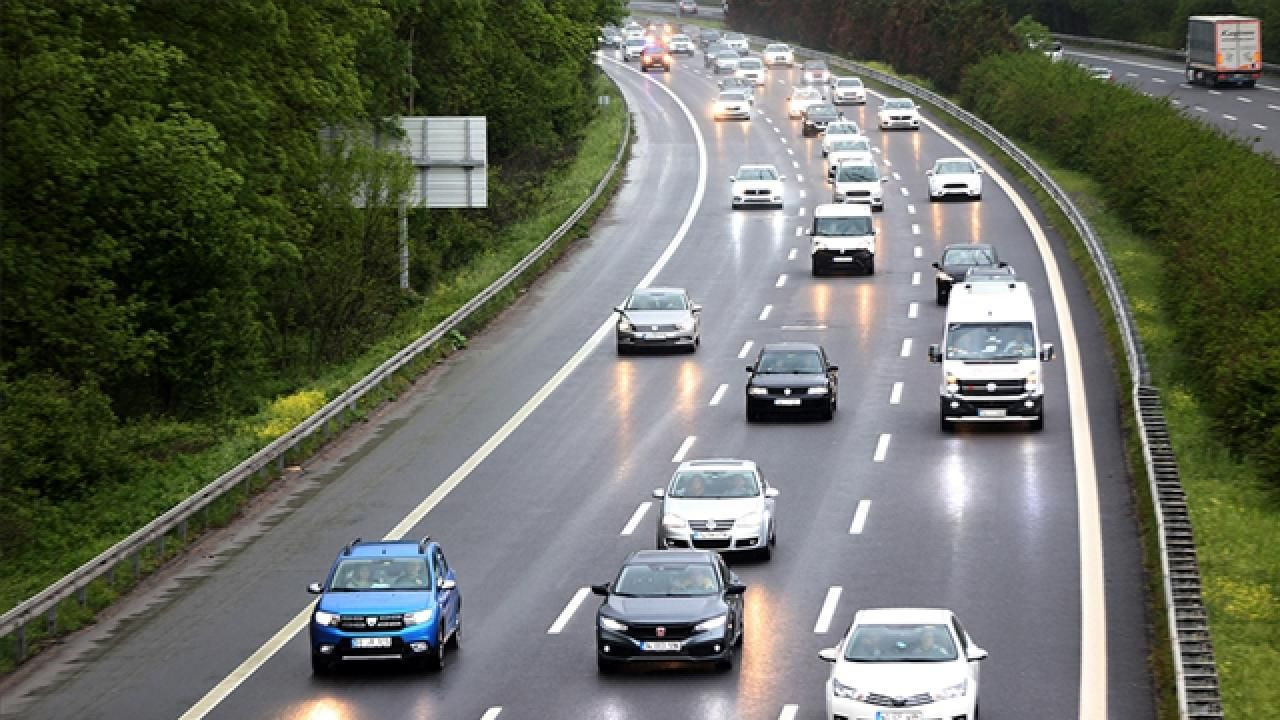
[
  {"x": 787, "y": 402},
  {"x": 897, "y": 715},
  {"x": 711, "y": 536},
  {"x": 667, "y": 646},
  {"x": 368, "y": 643},
  {"x": 991, "y": 412},
  {"x": 842, "y": 259}
]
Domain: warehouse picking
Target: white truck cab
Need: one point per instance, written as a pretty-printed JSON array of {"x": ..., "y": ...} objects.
[
  {"x": 843, "y": 237},
  {"x": 991, "y": 356}
]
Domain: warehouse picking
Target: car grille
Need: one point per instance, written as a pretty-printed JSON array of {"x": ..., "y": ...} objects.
[
  {"x": 358, "y": 623},
  {"x": 993, "y": 387},
  {"x": 955, "y": 186},
  {"x": 890, "y": 701},
  {"x": 655, "y": 328},
  {"x": 858, "y": 193},
  {"x": 701, "y": 525},
  {"x": 678, "y": 631},
  {"x": 757, "y": 191},
  {"x": 788, "y": 392},
  {"x": 900, "y": 118}
]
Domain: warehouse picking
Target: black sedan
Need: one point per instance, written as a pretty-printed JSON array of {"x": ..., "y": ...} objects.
[
  {"x": 956, "y": 261},
  {"x": 817, "y": 117},
  {"x": 792, "y": 377},
  {"x": 670, "y": 605}
]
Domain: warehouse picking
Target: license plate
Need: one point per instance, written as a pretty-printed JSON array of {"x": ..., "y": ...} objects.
[
  {"x": 842, "y": 259},
  {"x": 897, "y": 715},
  {"x": 711, "y": 536},
  {"x": 787, "y": 402},
  {"x": 991, "y": 412},
  {"x": 367, "y": 643},
  {"x": 668, "y": 646}
]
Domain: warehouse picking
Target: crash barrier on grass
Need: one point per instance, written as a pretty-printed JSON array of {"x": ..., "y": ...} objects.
[{"x": 1140, "y": 49}]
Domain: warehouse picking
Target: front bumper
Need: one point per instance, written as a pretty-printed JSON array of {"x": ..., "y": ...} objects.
[
  {"x": 638, "y": 339},
  {"x": 406, "y": 644},
  {"x": 875, "y": 201},
  {"x": 736, "y": 540},
  {"x": 661, "y": 64},
  {"x": 1008, "y": 408},
  {"x": 892, "y": 124},
  {"x": 845, "y": 709},
  {"x": 794, "y": 404},
  {"x": 858, "y": 260},
  {"x": 966, "y": 191},
  {"x": 847, "y": 98},
  {"x": 779, "y": 60},
  {"x": 714, "y": 646}
]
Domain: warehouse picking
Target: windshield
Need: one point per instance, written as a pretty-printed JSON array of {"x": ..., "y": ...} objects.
[
  {"x": 822, "y": 111},
  {"x": 776, "y": 48},
  {"x": 899, "y": 104},
  {"x": 849, "y": 82},
  {"x": 656, "y": 301},
  {"x": 842, "y": 128},
  {"x": 842, "y": 226},
  {"x": 635, "y": 42},
  {"x": 958, "y": 167},
  {"x": 666, "y": 580},
  {"x": 851, "y": 146},
  {"x": 757, "y": 173},
  {"x": 798, "y": 362},
  {"x": 750, "y": 64},
  {"x": 815, "y": 66},
  {"x": 994, "y": 341},
  {"x": 857, "y": 173},
  {"x": 734, "y": 97},
  {"x": 361, "y": 574},
  {"x": 727, "y": 55},
  {"x": 975, "y": 255},
  {"x": 714, "y": 484},
  {"x": 900, "y": 643}
]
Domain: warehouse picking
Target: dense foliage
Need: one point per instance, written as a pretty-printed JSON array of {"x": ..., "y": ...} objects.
[
  {"x": 177, "y": 239},
  {"x": 930, "y": 38},
  {"x": 1208, "y": 205}
]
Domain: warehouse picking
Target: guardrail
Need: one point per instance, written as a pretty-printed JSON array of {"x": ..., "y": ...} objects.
[
  {"x": 1150, "y": 50},
  {"x": 45, "y": 604}
]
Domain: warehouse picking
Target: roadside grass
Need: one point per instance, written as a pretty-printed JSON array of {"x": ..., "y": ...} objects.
[{"x": 66, "y": 537}]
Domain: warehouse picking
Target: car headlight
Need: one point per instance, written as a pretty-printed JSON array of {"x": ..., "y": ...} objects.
[
  {"x": 624, "y": 326},
  {"x": 953, "y": 385},
  {"x": 1033, "y": 381},
  {"x": 685, "y": 326},
  {"x": 757, "y": 391},
  {"x": 821, "y": 390},
  {"x": 674, "y": 522},
  {"x": 749, "y": 521},
  {"x": 609, "y": 623},
  {"x": 709, "y": 624},
  {"x": 420, "y": 617},
  {"x": 847, "y": 692},
  {"x": 819, "y": 245},
  {"x": 951, "y": 691},
  {"x": 326, "y": 618}
]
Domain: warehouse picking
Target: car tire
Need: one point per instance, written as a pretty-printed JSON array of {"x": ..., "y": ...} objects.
[
  {"x": 455, "y": 640},
  {"x": 321, "y": 665},
  {"x": 435, "y": 661},
  {"x": 1038, "y": 424},
  {"x": 945, "y": 426},
  {"x": 940, "y": 297},
  {"x": 871, "y": 266},
  {"x": 824, "y": 153},
  {"x": 605, "y": 666}
]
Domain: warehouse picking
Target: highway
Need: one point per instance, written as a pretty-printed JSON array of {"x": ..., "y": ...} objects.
[{"x": 530, "y": 455}]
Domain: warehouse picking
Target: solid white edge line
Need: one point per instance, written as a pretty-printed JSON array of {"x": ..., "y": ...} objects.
[
  {"x": 764, "y": 314},
  {"x": 746, "y": 348},
  {"x": 567, "y": 613},
  {"x": 860, "y": 517},
  {"x": 233, "y": 680},
  {"x": 636, "y": 517},
  {"x": 882, "y": 448},
  {"x": 719, "y": 394},
  {"x": 906, "y": 347},
  {"x": 788, "y": 712},
  {"x": 895, "y": 395},
  {"x": 684, "y": 449},
  {"x": 828, "y": 610},
  {"x": 491, "y": 714}
]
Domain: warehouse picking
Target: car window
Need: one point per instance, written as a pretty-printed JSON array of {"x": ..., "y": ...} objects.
[
  {"x": 757, "y": 174},
  {"x": 954, "y": 168},
  {"x": 968, "y": 256},
  {"x": 806, "y": 362},
  {"x": 857, "y": 173},
  {"x": 666, "y": 579},
  {"x": 899, "y": 104},
  {"x": 994, "y": 341},
  {"x": 900, "y": 643},
  {"x": 842, "y": 226},
  {"x": 442, "y": 567},
  {"x": 363, "y": 574},
  {"x": 714, "y": 484},
  {"x": 849, "y": 82},
  {"x": 749, "y": 64}
]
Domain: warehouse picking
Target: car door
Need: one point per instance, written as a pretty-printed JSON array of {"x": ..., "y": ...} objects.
[
  {"x": 832, "y": 377},
  {"x": 735, "y": 602},
  {"x": 449, "y": 600},
  {"x": 768, "y": 501},
  {"x": 975, "y": 666}
]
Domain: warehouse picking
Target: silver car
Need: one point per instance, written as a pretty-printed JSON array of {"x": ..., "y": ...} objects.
[
  {"x": 718, "y": 504},
  {"x": 658, "y": 317}
]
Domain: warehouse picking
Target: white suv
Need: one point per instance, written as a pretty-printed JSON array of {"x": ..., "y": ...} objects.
[
  {"x": 778, "y": 54},
  {"x": 848, "y": 90},
  {"x": 899, "y": 113}
]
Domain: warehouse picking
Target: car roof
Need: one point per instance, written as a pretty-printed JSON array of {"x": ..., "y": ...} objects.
[
  {"x": 791, "y": 346},
  {"x": 755, "y": 166},
  {"x": 902, "y": 615},
  {"x": 388, "y": 548},
  {"x": 706, "y": 463},
  {"x": 953, "y": 159},
  {"x": 656, "y": 290},
  {"x": 842, "y": 210},
  {"x": 684, "y": 556}
]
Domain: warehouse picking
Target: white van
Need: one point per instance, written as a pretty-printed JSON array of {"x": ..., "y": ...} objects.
[
  {"x": 991, "y": 355},
  {"x": 843, "y": 237}
]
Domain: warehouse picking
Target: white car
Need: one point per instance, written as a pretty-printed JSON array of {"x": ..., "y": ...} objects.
[
  {"x": 738, "y": 42},
  {"x": 899, "y": 113},
  {"x": 847, "y": 90},
  {"x": 726, "y": 61},
  {"x": 847, "y": 149},
  {"x": 917, "y": 661},
  {"x": 859, "y": 181},
  {"x": 778, "y": 54},
  {"x": 680, "y": 45},
  {"x": 732, "y": 104},
  {"x": 838, "y": 131},
  {"x": 815, "y": 73},
  {"x": 756, "y": 185},
  {"x": 719, "y": 504},
  {"x": 752, "y": 69},
  {"x": 800, "y": 100},
  {"x": 955, "y": 176},
  {"x": 632, "y": 48}
]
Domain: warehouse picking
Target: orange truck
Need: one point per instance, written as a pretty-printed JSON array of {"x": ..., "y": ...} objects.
[{"x": 1224, "y": 49}]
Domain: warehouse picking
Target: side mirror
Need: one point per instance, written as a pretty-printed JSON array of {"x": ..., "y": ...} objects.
[
  {"x": 735, "y": 588},
  {"x": 980, "y": 171},
  {"x": 884, "y": 179},
  {"x": 751, "y": 368},
  {"x": 828, "y": 654},
  {"x": 928, "y": 172},
  {"x": 315, "y": 588},
  {"x": 1002, "y": 264},
  {"x": 833, "y": 368},
  {"x": 446, "y": 585},
  {"x": 1046, "y": 352},
  {"x": 617, "y": 309},
  {"x": 733, "y": 179},
  {"x": 935, "y": 354},
  {"x": 781, "y": 178},
  {"x": 601, "y": 589},
  {"x": 771, "y": 492},
  {"x": 695, "y": 308},
  {"x": 977, "y": 653},
  {"x": 659, "y": 492},
  {"x": 936, "y": 266}
]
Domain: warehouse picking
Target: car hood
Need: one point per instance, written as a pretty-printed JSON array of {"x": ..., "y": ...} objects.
[
  {"x": 772, "y": 186},
  {"x": 788, "y": 380},
  {"x": 846, "y": 185},
  {"x": 900, "y": 679},
  {"x": 979, "y": 370},
  {"x": 377, "y": 602},
  {"x": 657, "y": 317},
  {"x": 969, "y": 178},
  {"x": 663, "y": 609},
  {"x": 711, "y": 508}
]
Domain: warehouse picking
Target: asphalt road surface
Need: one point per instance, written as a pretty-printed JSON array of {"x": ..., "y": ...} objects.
[{"x": 530, "y": 454}]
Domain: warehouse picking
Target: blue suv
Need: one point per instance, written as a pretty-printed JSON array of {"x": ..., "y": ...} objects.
[{"x": 386, "y": 600}]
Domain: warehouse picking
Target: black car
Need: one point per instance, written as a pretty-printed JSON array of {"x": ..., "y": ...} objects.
[
  {"x": 670, "y": 605},
  {"x": 707, "y": 37},
  {"x": 817, "y": 117},
  {"x": 792, "y": 377},
  {"x": 709, "y": 53},
  {"x": 956, "y": 261}
]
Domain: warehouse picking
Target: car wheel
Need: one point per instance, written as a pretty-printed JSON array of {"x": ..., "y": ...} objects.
[
  {"x": 321, "y": 665},
  {"x": 605, "y": 666},
  {"x": 435, "y": 661},
  {"x": 1038, "y": 424},
  {"x": 871, "y": 266},
  {"x": 945, "y": 426},
  {"x": 940, "y": 297},
  {"x": 455, "y": 640}
]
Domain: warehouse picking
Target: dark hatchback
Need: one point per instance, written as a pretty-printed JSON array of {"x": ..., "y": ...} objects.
[
  {"x": 670, "y": 606},
  {"x": 956, "y": 261},
  {"x": 792, "y": 377},
  {"x": 817, "y": 117}
]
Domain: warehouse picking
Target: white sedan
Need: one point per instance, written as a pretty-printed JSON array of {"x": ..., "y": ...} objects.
[
  {"x": 752, "y": 69},
  {"x": 846, "y": 90},
  {"x": 919, "y": 658},
  {"x": 732, "y": 104},
  {"x": 800, "y": 100},
  {"x": 778, "y": 54},
  {"x": 955, "y": 176},
  {"x": 899, "y": 113},
  {"x": 838, "y": 131},
  {"x": 847, "y": 149},
  {"x": 756, "y": 185}
]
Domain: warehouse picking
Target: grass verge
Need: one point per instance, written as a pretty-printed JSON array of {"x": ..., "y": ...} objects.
[{"x": 73, "y": 534}]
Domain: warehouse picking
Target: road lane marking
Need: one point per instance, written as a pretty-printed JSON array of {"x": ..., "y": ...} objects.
[
  {"x": 782, "y": 280},
  {"x": 888, "y": 162},
  {"x": 769, "y": 120},
  {"x": 746, "y": 348},
  {"x": 913, "y": 310},
  {"x": 637, "y": 516},
  {"x": 684, "y": 449},
  {"x": 1158, "y": 80},
  {"x": 565, "y": 615},
  {"x": 804, "y": 194},
  {"x": 790, "y": 151},
  {"x": 792, "y": 255},
  {"x": 491, "y": 714},
  {"x": 828, "y": 610},
  {"x": 719, "y": 394},
  {"x": 764, "y": 314},
  {"x": 905, "y": 192},
  {"x": 1244, "y": 99},
  {"x": 1229, "y": 117},
  {"x": 875, "y": 150},
  {"x": 804, "y": 327},
  {"x": 915, "y": 230},
  {"x": 1131, "y": 74},
  {"x": 906, "y": 347},
  {"x": 911, "y": 209},
  {"x": 1215, "y": 92},
  {"x": 1273, "y": 107},
  {"x": 915, "y": 278},
  {"x": 799, "y": 178},
  {"x": 788, "y": 712},
  {"x": 799, "y": 232},
  {"x": 882, "y": 448},
  {"x": 795, "y": 163},
  {"x": 895, "y": 395},
  {"x": 1200, "y": 108},
  {"x": 1260, "y": 126},
  {"x": 784, "y": 141},
  {"x": 860, "y": 517},
  {"x": 896, "y": 176},
  {"x": 917, "y": 251}
]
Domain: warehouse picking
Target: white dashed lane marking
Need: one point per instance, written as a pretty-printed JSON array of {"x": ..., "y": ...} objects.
[
  {"x": 684, "y": 449},
  {"x": 913, "y": 310},
  {"x": 895, "y": 395},
  {"x": 491, "y": 714},
  {"x": 764, "y": 314},
  {"x": 746, "y": 348},
  {"x": 788, "y": 712},
  {"x": 915, "y": 230},
  {"x": 828, "y": 610},
  {"x": 1244, "y": 99},
  {"x": 565, "y": 615},
  {"x": 905, "y": 192},
  {"x": 1158, "y": 80},
  {"x": 1260, "y": 126},
  {"x": 915, "y": 278},
  {"x": 911, "y": 209},
  {"x": 860, "y": 517},
  {"x": 792, "y": 255},
  {"x": 882, "y": 448},
  {"x": 906, "y": 348},
  {"x": 719, "y": 394},
  {"x": 799, "y": 231},
  {"x": 917, "y": 251},
  {"x": 1233, "y": 118},
  {"x": 636, "y": 517},
  {"x": 799, "y": 178},
  {"x": 782, "y": 280}
]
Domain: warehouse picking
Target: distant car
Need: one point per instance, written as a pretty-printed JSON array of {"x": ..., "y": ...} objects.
[
  {"x": 837, "y": 130},
  {"x": 1054, "y": 52},
  {"x": 722, "y": 504},
  {"x": 687, "y": 7},
  {"x": 756, "y": 185},
  {"x": 955, "y": 176},
  {"x": 633, "y": 48},
  {"x": 847, "y": 148},
  {"x": 710, "y": 52},
  {"x": 707, "y": 36},
  {"x": 899, "y": 113},
  {"x": 847, "y": 90},
  {"x": 655, "y": 56},
  {"x": 1102, "y": 73},
  {"x": 733, "y": 82},
  {"x": 611, "y": 38},
  {"x": 858, "y": 180},
  {"x": 800, "y": 99},
  {"x": 658, "y": 317},
  {"x": 752, "y": 69},
  {"x": 395, "y": 600},
  {"x": 956, "y": 260},
  {"x": 738, "y": 42},
  {"x": 815, "y": 73},
  {"x": 919, "y": 658},
  {"x": 681, "y": 44},
  {"x": 792, "y": 377},
  {"x": 816, "y": 117},
  {"x": 670, "y": 605},
  {"x": 732, "y": 104},
  {"x": 726, "y": 62},
  {"x": 778, "y": 54}
]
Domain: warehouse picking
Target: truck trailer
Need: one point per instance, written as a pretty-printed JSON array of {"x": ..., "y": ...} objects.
[{"x": 1224, "y": 49}]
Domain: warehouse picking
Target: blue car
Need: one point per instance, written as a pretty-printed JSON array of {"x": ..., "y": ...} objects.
[{"x": 386, "y": 600}]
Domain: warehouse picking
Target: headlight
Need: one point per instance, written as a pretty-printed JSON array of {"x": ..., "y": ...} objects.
[
  {"x": 714, "y": 623},
  {"x": 749, "y": 521},
  {"x": 674, "y": 522},
  {"x": 953, "y": 385},
  {"x": 420, "y": 617},
  {"x": 819, "y": 245},
  {"x": 624, "y": 326},
  {"x": 326, "y": 618},
  {"x": 609, "y": 623},
  {"x": 818, "y": 390},
  {"x": 685, "y": 326},
  {"x": 757, "y": 391},
  {"x": 1033, "y": 381},
  {"x": 952, "y": 691},
  {"x": 848, "y": 692}
]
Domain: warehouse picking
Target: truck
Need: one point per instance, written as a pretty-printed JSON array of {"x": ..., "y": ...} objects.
[{"x": 1224, "y": 49}]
